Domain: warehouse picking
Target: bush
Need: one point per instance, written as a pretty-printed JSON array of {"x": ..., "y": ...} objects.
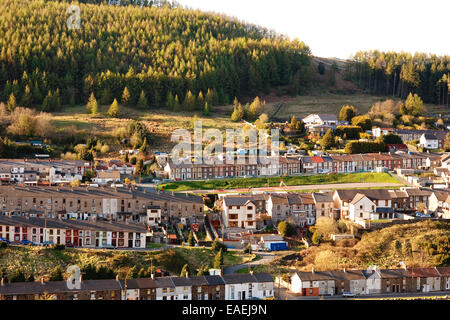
[
  {"x": 349, "y": 132},
  {"x": 285, "y": 229},
  {"x": 58, "y": 247},
  {"x": 317, "y": 237},
  {"x": 217, "y": 245},
  {"x": 248, "y": 249},
  {"x": 3, "y": 244}
]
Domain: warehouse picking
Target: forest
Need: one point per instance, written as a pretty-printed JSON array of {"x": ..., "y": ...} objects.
[
  {"x": 158, "y": 52},
  {"x": 398, "y": 74}
]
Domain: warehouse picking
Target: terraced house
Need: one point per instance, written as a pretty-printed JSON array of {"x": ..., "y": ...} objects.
[
  {"x": 119, "y": 204},
  {"x": 81, "y": 233}
]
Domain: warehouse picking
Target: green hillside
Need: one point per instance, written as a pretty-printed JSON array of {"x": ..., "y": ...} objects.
[{"x": 163, "y": 52}]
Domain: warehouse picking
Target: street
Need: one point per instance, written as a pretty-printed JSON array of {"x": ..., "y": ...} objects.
[
  {"x": 330, "y": 186},
  {"x": 265, "y": 258}
]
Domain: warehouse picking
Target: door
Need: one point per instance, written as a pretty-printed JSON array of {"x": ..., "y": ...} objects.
[
  {"x": 130, "y": 243},
  {"x": 80, "y": 242},
  {"x": 243, "y": 295}
]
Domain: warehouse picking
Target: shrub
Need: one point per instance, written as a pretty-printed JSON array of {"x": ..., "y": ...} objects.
[
  {"x": 285, "y": 229},
  {"x": 3, "y": 244},
  {"x": 58, "y": 247},
  {"x": 317, "y": 237},
  {"x": 217, "y": 246}
]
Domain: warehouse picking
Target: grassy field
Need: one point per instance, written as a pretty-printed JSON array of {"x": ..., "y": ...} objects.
[
  {"x": 162, "y": 122},
  {"x": 40, "y": 261},
  {"x": 302, "y": 106},
  {"x": 365, "y": 177}
]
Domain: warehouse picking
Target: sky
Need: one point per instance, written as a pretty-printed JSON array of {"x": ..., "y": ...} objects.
[{"x": 339, "y": 28}]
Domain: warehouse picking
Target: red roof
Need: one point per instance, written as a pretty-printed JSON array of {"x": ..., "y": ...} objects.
[
  {"x": 317, "y": 159},
  {"x": 397, "y": 146}
]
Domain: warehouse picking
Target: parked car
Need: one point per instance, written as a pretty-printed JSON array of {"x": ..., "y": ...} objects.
[
  {"x": 348, "y": 294},
  {"x": 48, "y": 243},
  {"x": 5, "y": 240},
  {"x": 69, "y": 245},
  {"x": 27, "y": 243}
]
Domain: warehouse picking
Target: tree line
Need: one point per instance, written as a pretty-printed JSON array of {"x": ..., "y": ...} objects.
[
  {"x": 158, "y": 54},
  {"x": 398, "y": 74}
]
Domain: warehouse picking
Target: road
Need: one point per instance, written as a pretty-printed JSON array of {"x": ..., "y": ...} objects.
[
  {"x": 285, "y": 295},
  {"x": 331, "y": 186},
  {"x": 265, "y": 258}
]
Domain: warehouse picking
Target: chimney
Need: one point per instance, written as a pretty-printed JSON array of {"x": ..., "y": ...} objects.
[
  {"x": 117, "y": 277},
  {"x": 42, "y": 280},
  {"x": 345, "y": 270},
  {"x": 187, "y": 274},
  {"x": 312, "y": 270},
  {"x": 173, "y": 193},
  {"x": 81, "y": 277},
  {"x": 251, "y": 272},
  {"x": 152, "y": 275},
  {"x": 3, "y": 282}
]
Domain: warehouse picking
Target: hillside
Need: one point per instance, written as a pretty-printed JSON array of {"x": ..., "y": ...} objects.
[
  {"x": 423, "y": 244},
  {"x": 162, "y": 52},
  {"x": 41, "y": 261}
]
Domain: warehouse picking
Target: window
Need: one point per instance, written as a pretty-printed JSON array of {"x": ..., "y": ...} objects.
[{"x": 249, "y": 208}]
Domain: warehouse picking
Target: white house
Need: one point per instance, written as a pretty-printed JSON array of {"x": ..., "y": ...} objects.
[
  {"x": 361, "y": 207},
  {"x": 312, "y": 283},
  {"x": 429, "y": 141},
  {"x": 320, "y": 119},
  {"x": 103, "y": 177},
  {"x": 153, "y": 215},
  {"x": 239, "y": 212},
  {"x": 376, "y": 132},
  {"x": 248, "y": 286},
  {"x": 173, "y": 288}
]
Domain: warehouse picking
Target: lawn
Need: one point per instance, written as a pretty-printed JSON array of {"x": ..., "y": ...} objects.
[
  {"x": 302, "y": 106},
  {"x": 366, "y": 177}
]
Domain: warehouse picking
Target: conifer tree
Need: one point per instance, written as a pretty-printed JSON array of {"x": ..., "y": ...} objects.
[
  {"x": 176, "y": 104},
  {"x": 218, "y": 260},
  {"x": 184, "y": 270},
  {"x": 27, "y": 98},
  {"x": 12, "y": 104},
  {"x": 113, "y": 110},
  {"x": 206, "y": 109},
  {"x": 170, "y": 101},
  {"x": 92, "y": 105},
  {"x": 142, "y": 102},
  {"x": 126, "y": 96}
]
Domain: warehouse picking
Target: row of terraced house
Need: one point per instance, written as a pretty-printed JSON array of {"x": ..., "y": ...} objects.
[
  {"x": 371, "y": 281},
  {"x": 254, "y": 211},
  {"x": 297, "y": 164},
  {"x": 56, "y": 172},
  {"x": 209, "y": 287}
]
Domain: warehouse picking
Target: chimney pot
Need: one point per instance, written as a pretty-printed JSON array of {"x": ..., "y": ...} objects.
[
  {"x": 345, "y": 270},
  {"x": 312, "y": 270},
  {"x": 152, "y": 275},
  {"x": 187, "y": 274},
  {"x": 42, "y": 280},
  {"x": 3, "y": 282},
  {"x": 117, "y": 277}
]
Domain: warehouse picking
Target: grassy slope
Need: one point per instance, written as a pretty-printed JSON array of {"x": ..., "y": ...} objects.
[
  {"x": 162, "y": 122},
  {"x": 365, "y": 177},
  {"x": 378, "y": 248},
  {"x": 41, "y": 260}
]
